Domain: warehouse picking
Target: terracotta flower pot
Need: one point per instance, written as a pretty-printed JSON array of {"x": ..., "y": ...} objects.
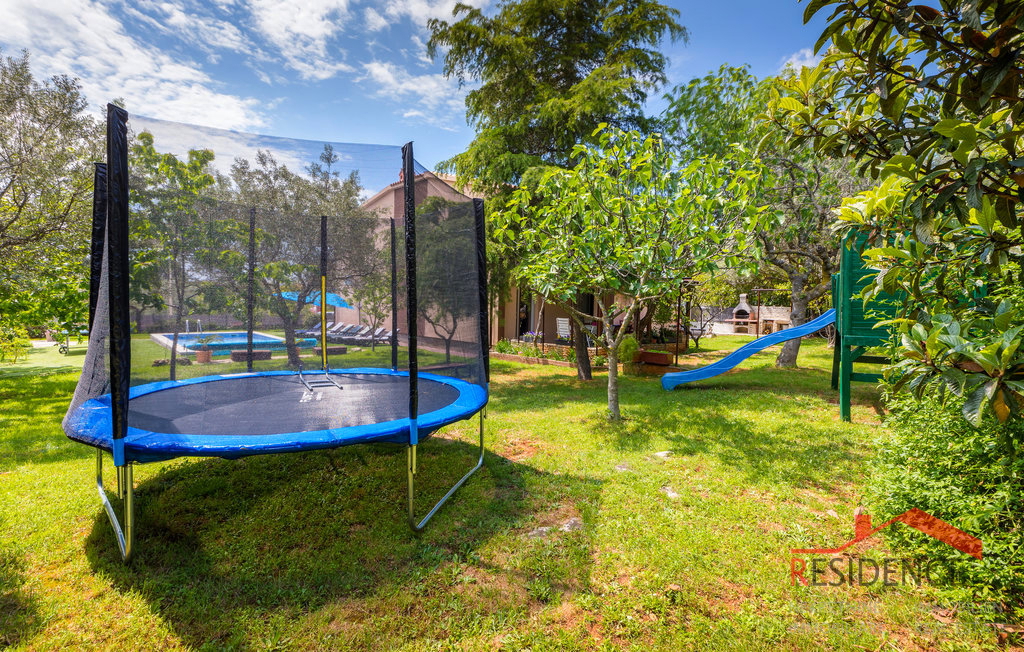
[{"x": 204, "y": 356}]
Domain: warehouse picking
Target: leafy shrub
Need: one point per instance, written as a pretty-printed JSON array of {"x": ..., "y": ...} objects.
[
  {"x": 14, "y": 342},
  {"x": 163, "y": 362},
  {"x": 969, "y": 477},
  {"x": 504, "y": 346},
  {"x": 628, "y": 350}
]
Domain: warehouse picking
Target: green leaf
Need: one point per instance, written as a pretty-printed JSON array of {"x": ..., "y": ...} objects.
[{"x": 977, "y": 401}]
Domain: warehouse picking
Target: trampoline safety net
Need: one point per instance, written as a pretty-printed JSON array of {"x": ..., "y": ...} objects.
[{"x": 278, "y": 287}]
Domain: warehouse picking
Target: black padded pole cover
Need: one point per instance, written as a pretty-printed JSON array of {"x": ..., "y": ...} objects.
[
  {"x": 118, "y": 271},
  {"x": 409, "y": 189},
  {"x": 99, "y": 234},
  {"x": 481, "y": 265},
  {"x": 250, "y": 299}
]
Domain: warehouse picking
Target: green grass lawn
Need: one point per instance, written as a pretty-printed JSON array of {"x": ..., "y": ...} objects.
[{"x": 688, "y": 550}]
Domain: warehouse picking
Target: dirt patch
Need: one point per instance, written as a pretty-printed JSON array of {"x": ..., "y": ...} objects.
[
  {"x": 728, "y": 596},
  {"x": 518, "y": 450},
  {"x": 568, "y": 615},
  {"x": 554, "y": 519},
  {"x": 491, "y": 591}
]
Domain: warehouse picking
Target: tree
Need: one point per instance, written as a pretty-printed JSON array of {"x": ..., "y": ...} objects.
[
  {"x": 47, "y": 145},
  {"x": 717, "y": 115},
  {"x": 373, "y": 291},
  {"x": 170, "y": 234},
  {"x": 446, "y": 278},
  {"x": 289, "y": 207},
  {"x": 934, "y": 104},
  {"x": 626, "y": 221},
  {"x": 550, "y": 72}
]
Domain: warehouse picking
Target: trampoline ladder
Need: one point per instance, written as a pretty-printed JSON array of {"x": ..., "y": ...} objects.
[{"x": 315, "y": 383}]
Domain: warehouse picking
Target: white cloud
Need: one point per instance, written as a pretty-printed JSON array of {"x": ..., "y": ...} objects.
[
  {"x": 436, "y": 99},
  {"x": 82, "y": 38},
  {"x": 420, "y": 11},
  {"x": 803, "y": 58},
  {"x": 374, "y": 21},
  {"x": 302, "y": 31},
  {"x": 206, "y": 32},
  {"x": 418, "y": 51}
]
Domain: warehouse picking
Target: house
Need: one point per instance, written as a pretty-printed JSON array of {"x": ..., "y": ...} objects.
[{"x": 388, "y": 204}]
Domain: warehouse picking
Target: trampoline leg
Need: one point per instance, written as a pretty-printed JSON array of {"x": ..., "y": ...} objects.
[
  {"x": 411, "y": 457},
  {"x": 125, "y": 491}
]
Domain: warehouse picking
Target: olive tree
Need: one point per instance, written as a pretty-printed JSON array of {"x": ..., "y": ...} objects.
[
  {"x": 798, "y": 187},
  {"x": 47, "y": 147}
]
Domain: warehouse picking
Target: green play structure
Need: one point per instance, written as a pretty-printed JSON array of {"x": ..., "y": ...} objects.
[{"x": 856, "y": 322}]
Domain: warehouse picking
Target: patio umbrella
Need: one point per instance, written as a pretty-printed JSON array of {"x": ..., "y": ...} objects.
[{"x": 314, "y": 298}]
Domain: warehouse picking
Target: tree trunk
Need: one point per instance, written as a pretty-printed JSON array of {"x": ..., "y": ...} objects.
[
  {"x": 790, "y": 350},
  {"x": 579, "y": 339},
  {"x": 613, "y": 384},
  {"x": 289, "y": 341},
  {"x": 174, "y": 351}
]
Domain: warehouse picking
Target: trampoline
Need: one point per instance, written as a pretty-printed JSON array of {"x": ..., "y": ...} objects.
[
  {"x": 232, "y": 416},
  {"x": 259, "y": 263}
]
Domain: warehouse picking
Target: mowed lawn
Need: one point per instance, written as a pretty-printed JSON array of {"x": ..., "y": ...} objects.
[{"x": 671, "y": 530}]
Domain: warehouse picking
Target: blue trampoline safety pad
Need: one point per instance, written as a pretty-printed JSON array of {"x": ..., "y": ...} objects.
[{"x": 236, "y": 415}]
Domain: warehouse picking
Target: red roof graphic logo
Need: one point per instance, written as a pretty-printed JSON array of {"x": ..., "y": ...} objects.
[{"x": 915, "y": 518}]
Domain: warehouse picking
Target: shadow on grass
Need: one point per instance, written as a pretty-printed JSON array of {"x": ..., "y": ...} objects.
[
  {"x": 225, "y": 545},
  {"x": 788, "y": 433},
  {"x": 19, "y": 614},
  {"x": 793, "y": 442}
]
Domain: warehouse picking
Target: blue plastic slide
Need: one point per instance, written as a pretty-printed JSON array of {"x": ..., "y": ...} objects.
[{"x": 670, "y": 381}]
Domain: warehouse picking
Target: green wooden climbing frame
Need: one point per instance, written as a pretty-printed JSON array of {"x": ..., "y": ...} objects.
[{"x": 856, "y": 322}]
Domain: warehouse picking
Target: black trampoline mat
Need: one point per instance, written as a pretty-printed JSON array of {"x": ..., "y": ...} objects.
[{"x": 271, "y": 405}]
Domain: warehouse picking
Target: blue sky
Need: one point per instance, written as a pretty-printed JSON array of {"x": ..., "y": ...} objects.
[{"x": 328, "y": 70}]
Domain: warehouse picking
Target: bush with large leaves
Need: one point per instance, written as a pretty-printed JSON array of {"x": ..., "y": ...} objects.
[{"x": 931, "y": 103}]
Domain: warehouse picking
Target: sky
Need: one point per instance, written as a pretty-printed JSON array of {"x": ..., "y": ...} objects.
[{"x": 328, "y": 70}]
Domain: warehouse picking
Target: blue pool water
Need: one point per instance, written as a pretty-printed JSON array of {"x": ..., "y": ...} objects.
[{"x": 232, "y": 340}]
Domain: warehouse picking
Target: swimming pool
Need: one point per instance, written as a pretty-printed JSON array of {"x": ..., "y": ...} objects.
[{"x": 228, "y": 341}]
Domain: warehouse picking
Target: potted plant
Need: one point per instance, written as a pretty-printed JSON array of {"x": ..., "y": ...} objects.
[{"x": 205, "y": 353}]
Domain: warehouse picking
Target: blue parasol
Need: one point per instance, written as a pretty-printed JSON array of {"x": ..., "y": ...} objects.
[{"x": 314, "y": 298}]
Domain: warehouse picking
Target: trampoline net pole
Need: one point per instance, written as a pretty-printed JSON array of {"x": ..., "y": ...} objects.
[
  {"x": 250, "y": 299},
  {"x": 481, "y": 262},
  {"x": 119, "y": 271},
  {"x": 409, "y": 188},
  {"x": 323, "y": 291}
]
